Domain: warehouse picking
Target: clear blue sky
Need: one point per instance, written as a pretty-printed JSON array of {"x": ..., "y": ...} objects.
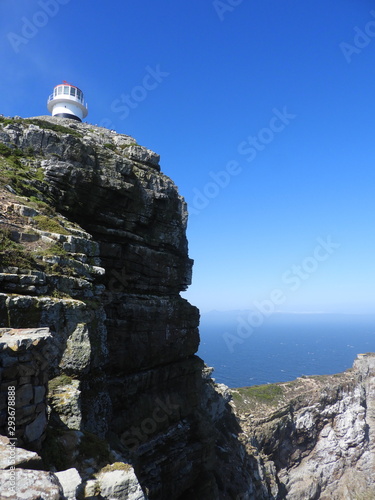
[{"x": 204, "y": 83}]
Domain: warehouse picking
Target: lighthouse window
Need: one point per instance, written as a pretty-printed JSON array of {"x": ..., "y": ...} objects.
[
  {"x": 59, "y": 90},
  {"x": 72, "y": 91},
  {"x": 79, "y": 94},
  {"x": 66, "y": 90}
]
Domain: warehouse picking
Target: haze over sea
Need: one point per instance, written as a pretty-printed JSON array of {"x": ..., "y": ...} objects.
[{"x": 284, "y": 347}]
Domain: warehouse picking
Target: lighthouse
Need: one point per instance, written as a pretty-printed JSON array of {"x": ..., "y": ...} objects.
[{"x": 67, "y": 101}]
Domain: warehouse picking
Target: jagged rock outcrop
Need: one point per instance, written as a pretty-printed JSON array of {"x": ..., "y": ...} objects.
[
  {"x": 316, "y": 435},
  {"x": 93, "y": 247}
]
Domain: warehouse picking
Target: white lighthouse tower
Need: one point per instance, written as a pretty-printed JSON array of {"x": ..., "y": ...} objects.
[{"x": 67, "y": 101}]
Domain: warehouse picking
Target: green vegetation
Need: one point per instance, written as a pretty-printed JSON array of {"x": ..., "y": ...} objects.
[
  {"x": 39, "y": 174},
  {"x": 7, "y": 151},
  {"x": 42, "y": 205},
  {"x": 13, "y": 254},
  {"x": 42, "y": 124},
  {"x": 56, "y": 294},
  {"x": 49, "y": 224},
  {"x": 110, "y": 146},
  {"x": 115, "y": 466},
  {"x": 6, "y": 121},
  {"x": 269, "y": 393},
  {"x": 19, "y": 175},
  {"x": 57, "y": 382},
  {"x": 55, "y": 249},
  {"x": 52, "y": 126},
  {"x": 61, "y": 268}
]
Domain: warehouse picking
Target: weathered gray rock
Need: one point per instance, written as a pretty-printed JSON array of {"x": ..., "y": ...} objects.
[
  {"x": 19, "y": 458},
  {"x": 24, "y": 360},
  {"x": 71, "y": 483},
  {"x": 143, "y": 155},
  {"x": 22, "y": 339},
  {"x": 36, "y": 428},
  {"x": 77, "y": 354},
  {"x": 29, "y": 485},
  {"x": 66, "y": 403},
  {"x": 119, "y": 484}
]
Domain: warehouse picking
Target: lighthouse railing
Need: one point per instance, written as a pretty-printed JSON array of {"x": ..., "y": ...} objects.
[{"x": 67, "y": 97}]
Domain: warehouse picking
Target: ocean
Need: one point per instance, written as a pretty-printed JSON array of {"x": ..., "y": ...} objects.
[{"x": 284, "y": 347}]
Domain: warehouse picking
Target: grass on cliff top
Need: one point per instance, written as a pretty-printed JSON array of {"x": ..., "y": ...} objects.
[
  {"x": 52, "y": 126},
  {"x": 268, "y": 394},
  {"x": 42, "y": 124}
]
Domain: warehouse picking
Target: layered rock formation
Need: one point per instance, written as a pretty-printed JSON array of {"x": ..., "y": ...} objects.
[
  {"x": 93, "y": 248},
  {"x": 24, "y": 363}
]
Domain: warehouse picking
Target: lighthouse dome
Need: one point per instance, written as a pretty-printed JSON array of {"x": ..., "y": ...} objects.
[{"x": 67, "y": 101}]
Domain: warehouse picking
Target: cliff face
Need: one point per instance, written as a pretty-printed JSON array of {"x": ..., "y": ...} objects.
[
  {"x": 99, "y": 347},
  {"x": 93, "y": 247},
  {"x": 316, "y": 435}
]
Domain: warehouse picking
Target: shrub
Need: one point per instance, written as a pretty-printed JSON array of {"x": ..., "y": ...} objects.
[
  {"x": 49, "y": 224},
  {"x": 13, "y": 254},
  {"x": 53, "y": 126}
]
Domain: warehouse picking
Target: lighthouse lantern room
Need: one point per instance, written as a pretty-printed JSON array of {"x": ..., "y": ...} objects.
[{"x": 67, "y": 101}]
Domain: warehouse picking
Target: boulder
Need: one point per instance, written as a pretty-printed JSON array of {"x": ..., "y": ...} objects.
[
  {"x": 71, "y": 483},
  {"x": 28, "y": 484}
]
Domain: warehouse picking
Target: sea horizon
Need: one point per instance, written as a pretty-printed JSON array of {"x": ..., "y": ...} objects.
[{"x": 284, "y": 346}]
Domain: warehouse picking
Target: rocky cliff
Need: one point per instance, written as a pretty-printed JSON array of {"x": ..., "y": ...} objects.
[
  {"x": 98, "y": 347},
  {"x": 314, "y": 436},
  {"x": 93, "y": 247}
]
